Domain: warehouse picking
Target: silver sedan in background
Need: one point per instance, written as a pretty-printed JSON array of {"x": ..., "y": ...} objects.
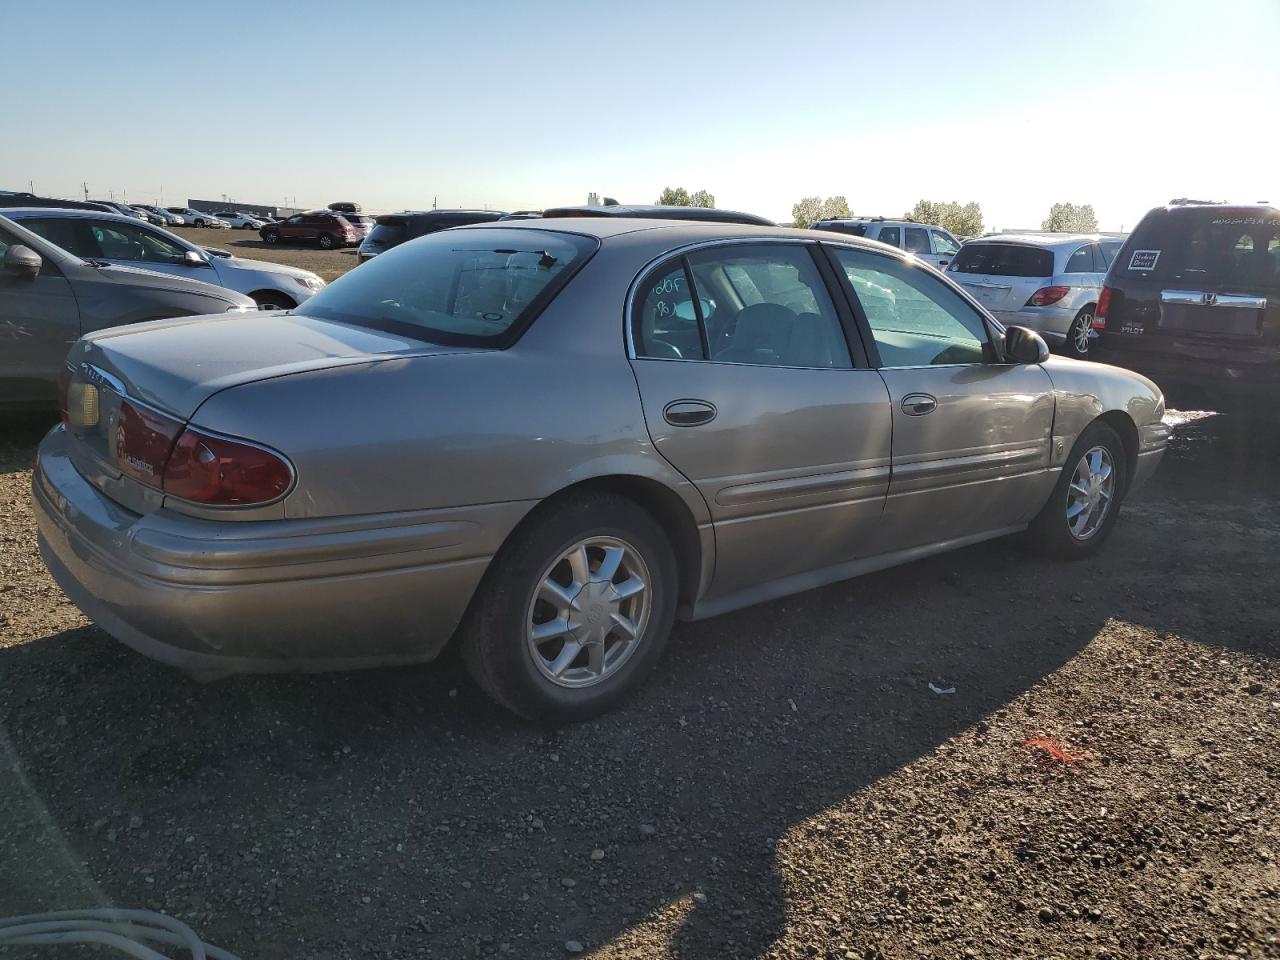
[
  {"x": 1049, "y": 282},
  {"x": 550, "y": 438}
]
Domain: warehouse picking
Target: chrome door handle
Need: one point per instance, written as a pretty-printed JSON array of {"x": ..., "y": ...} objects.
[
  {"x": 918, "y": 404},
  {"x": 688, "y": 413}
]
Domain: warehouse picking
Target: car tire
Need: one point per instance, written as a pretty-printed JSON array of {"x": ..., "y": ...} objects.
[
  {"x": 273, "y": 300},
  {"x": 328, "y": 241},
  {"x": 566, "y": 544},
  {"x": 1076, "y": 344},
  {"x": 1058, "y": 530},
  {"x": 200, "y": 224},
  {"x": 271, "y": 236}
]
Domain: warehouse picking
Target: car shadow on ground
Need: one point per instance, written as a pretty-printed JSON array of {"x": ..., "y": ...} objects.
[
  {"x": 403, "y": 805},
  {"x": 18, "y": 437}
]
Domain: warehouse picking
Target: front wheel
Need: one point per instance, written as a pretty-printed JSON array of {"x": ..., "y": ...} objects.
[
  {"x": 200, "y": 223},
  {"x": 574, "y": 611},
  {"x": 1078, "y": 334},
  {"x": 327, "y": 241},
  {"x": 271, "y": 236},
  {"x": 1085, "y": 504},
  {"x": 273, "y": 300}
]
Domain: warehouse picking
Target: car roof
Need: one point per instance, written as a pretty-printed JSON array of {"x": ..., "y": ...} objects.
[
  {"x": 679, "y": 231},
  {"x": 64, "y": 213},
  {"x": 657, "y": 211},
  {"x": 1042, "y": 239}
]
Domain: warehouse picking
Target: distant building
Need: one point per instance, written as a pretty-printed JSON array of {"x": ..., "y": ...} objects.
[{"x": 213, "y": 206}]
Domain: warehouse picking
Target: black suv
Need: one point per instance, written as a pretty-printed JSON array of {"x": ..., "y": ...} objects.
[
  {"x": 392, "y": 229},
  {"x": 1193, "y": 301}
]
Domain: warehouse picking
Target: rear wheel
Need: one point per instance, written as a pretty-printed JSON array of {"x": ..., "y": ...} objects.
[
  {"x": 1085, "y": 504},
  {"x": 1077, "y": 343},
  {"x": 328, "y": 241},
  {"x": 574, "y": 610},
  {"x": 271, "y": 236}
]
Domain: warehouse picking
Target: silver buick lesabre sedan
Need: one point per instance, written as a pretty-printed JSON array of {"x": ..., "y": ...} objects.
[{"x": 550, "y": 438}]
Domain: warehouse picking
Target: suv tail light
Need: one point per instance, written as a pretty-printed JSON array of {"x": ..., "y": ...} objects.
[
  {"x": 1100, "y": 311},
  {"x": 1047, "y": 295},
  {"x": 195, "y": 465}
]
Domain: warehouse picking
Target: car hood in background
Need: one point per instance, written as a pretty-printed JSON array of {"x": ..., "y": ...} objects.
[
  {"x": 175, "y": 365},
  {"x": 264, "y": 266}
]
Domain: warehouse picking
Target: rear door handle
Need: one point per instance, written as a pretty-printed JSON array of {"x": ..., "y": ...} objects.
[
  {"x": 918, "y": 404},
  {"x": 689, "y": 413}
]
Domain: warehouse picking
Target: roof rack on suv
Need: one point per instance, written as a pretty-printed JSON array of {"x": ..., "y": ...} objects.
[{"x": 1186, "y": 201}]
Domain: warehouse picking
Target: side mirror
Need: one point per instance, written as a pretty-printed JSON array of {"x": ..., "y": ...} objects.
[
  {"x": 1022, "y": 345},
  {"x": 22, "y": 262},
  {"x": 193, "y": 259}
]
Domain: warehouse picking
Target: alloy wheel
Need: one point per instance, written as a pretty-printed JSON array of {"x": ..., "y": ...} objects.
[
  {"x": 1080, "y": 332},
  {"x": 1090, "y": 493},
  {"x": 589, "y": 612}
]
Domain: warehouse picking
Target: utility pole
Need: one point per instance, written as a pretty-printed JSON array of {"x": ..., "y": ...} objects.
[
  {"x": 434, "y": 201},
  {"x": 85, "y": 184},
  {"x": 31, "y": 186}
]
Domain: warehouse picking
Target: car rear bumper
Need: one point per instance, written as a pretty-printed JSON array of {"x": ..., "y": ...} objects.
[
  {"x": 220, "y": 597},
  {"x": 1051, "y": 323}
]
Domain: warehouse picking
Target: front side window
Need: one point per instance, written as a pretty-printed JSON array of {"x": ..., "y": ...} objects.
[
  {"x": 890, "y": 235},
  {"x": 759, "y": 304},
  {"x": 64, "y": 232},
  {"x": 917, "y": 320},
  {"x": 917, "y": 240},
  {"x": 478, "y": 288},
  {"x": 943, "y": 243}
]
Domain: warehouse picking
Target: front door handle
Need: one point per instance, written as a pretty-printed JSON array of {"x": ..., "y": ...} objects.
[
  {"x": 918, "y": 404},
  {"x": 689, "y": 413}
]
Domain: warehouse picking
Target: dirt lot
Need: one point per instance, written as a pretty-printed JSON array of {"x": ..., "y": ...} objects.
[
  {"x": 330, "y": 264},
  {"x": 787, "y": 786}
]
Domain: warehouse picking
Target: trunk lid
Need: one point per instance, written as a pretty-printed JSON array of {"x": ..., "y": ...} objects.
[
  {"x": 175, "y": 365},
  {"x": 1002, "y": 276}
]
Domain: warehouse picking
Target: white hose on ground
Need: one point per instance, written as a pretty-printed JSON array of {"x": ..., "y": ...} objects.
[{"x": 126, "y": 930}]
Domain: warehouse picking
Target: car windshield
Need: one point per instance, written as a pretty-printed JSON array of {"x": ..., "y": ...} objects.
[
  {"x": 472, "y": 288},
  {"x": 1003, "y": 260}
]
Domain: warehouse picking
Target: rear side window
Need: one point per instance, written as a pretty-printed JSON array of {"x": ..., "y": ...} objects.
[
  {"x": 1003, "y": 260},
  {"x": 890, "y": 235},
  {"x": 853, "y": 229},
  {"x": 62, "y": 232},
  {"x": 917, "y": 240},
  {"x": 1082, "y": 261},
  {"x": 389, "y": 231},
  {"x": 481, "y": 288}
]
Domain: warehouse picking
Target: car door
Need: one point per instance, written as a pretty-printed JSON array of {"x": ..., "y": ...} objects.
[
  {"x": 39, "y": 320},
  {"x": 915, "y": 240},
  {"x": 293, "y": 228},
  {"x": 751, "y": 391},
  {"x": 971, "y": 434}
]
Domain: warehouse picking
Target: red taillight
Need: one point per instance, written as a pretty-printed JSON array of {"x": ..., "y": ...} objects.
[
  {"x": 1100, "y": 311},
  {"x": 143, "y": 440},
  {"x": 220, "y": 471},
  {"x": 1047, "y": 295}
]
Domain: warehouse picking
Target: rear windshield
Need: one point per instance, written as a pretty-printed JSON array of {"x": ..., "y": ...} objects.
[
  {"x": 1210, "y": 247},
  {"x": 387, "y": 231},
  {"x": 470, "y": 288},
  {"x": 1003, "y": 260}
]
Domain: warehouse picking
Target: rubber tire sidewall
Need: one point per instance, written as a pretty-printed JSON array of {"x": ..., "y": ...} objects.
[
  {"x": 332, "y": 244},
  {"x": 278, "y": 301},
  {"x": 271, "y": 236},
  {"x": 1048, "y": 531},
  {"x": 1069, "y": 345},
  {"x": 493, "y": 639}
]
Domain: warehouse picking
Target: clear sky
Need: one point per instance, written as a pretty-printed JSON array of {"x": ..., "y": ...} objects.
[{"x": 525, "y": 104}]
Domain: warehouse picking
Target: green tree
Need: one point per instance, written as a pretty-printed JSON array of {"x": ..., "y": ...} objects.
[
  {"x": 834, "y": 208},
  {"x": 675, "y": 197},
  {"x": 807, "y": 212},
  {"x": 1069, "y": 218},
  {"x": 702, "y": 199},
  {"x": 963, "y": 221}
]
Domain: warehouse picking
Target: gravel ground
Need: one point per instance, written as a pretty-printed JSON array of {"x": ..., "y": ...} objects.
[
  {"x": 330, "y": 264},
  {"x": 788, "y": 785}
]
